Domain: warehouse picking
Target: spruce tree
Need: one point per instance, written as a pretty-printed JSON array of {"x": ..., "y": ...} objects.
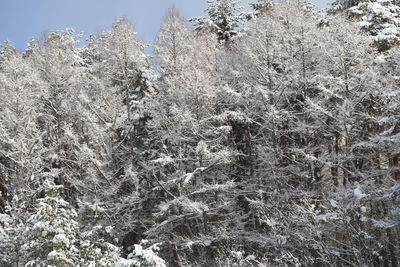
[{"x": 225, "y": 19}]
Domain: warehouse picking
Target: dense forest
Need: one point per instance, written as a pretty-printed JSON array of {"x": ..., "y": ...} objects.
[{"x": 262, "y": 138}]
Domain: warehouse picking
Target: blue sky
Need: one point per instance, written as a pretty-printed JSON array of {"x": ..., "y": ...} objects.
[{"x": 20, "y": 20}]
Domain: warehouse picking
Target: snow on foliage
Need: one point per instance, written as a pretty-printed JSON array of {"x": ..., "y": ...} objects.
[
  {"x": 381, "y": 18},
  {"x": 225, "y": 19},
  {"x": 51, "y": 237},
  {"x": 274, "y": 145}
]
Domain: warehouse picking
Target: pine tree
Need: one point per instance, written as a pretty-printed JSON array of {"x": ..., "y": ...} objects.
[
  {"x": 381, "y": 18},
  {"x": 225, "y": 19},
  {"x": 51, "y": 236},
  {"x": 261, "y": 5}
]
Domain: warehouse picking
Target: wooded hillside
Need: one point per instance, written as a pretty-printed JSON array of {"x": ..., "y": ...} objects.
[{"x": 268, "y": 138}]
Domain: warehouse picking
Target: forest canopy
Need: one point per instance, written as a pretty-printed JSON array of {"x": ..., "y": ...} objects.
[{"x": 262, "y": 138}]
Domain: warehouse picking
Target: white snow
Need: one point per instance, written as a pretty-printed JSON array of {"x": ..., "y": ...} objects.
[
  {"x": 380, "y": 60},
  {"x": 358, "y": 193}
]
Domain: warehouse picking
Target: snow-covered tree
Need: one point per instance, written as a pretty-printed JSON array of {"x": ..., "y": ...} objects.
[
  {"x": 145, "y": 255},
  {"x": 261, "y": 5},
  {"x": 118, "y": 85},
  {"x": 121, "y": 59},
  {"x": 275, "y": 147},
  {"x": 51, "y": 236},
  {"x": 173, "y": 44},
  {"x": 225, "y": 19},
  {"x": 381, "y": 18},
  {"x": 20, "y": 90},
  {"x": 11, "y": 230},
  {"x": 61, "y": 109}
]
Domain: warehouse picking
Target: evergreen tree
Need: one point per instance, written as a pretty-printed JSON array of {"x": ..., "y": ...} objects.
[
  {"x": 51, "y": 236},
  {"x": 225, "y": 19},
  {"x": 381, "y": 18}
]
